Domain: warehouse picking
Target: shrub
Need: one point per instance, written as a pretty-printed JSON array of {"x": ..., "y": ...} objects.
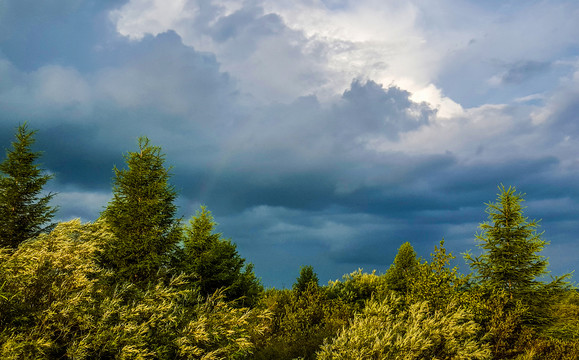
[
  {"x": 386, "y": 329},
  {"x": 58, "y": 303},
  {"x": 300, "y": 322}
]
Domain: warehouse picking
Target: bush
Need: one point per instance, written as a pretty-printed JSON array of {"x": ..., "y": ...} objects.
[
  {"x": 357, "y": 287},
  {"x": 300, "y": 323},
  {"x": 388, "y": 330},
  {"x": 58, "y": 303}
]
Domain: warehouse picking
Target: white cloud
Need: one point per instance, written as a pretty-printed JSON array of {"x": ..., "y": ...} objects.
[{"x": 140, "y": 17}]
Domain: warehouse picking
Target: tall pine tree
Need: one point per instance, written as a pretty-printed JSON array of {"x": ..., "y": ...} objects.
[
  {"x": 510, "y": 262},
  {"x": 141, "y": 215},
  {"x": 402, "y": 271},
  {"x": 214, "y": 263},
  {"x": 24, "y": 211}
]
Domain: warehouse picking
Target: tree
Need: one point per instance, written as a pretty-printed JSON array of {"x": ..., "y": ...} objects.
[
  {"x": 24, "y": 211},
  {"x": 403, "y": 269},
  {"x": 141, "y": 215},
  {"x": 214, "y": 262},
  {"x": 511, "y": 262},
  {"x": 308, "y": 278},
  {"x": 435, "y": 281}
]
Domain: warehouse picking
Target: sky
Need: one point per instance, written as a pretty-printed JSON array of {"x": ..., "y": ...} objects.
[{"x": 318, "y": 132}]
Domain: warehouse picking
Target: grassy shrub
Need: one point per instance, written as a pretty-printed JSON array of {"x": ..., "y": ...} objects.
[
  {"x": 386, "y": 329},
  {"x": 58, "y": 303},
  {"x": 357, "y": 287},
  {"x": 565, "y": 324},
  {"x": 300, "y": 323},
  {"x": 51, "y": 286},
  {"x": 533, "y": 346}
]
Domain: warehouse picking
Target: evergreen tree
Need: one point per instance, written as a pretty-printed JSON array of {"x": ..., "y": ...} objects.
[
  {"x": 435, "y": 281},
  {"x": 403, "y": 269},
  {"x": 24, "y": 211},
  {"x": 307, "y": 278},
  {"x": 141, "y": 215},
  {"x": 214, "y": 262},
  {"x": 511, "y": 263}
]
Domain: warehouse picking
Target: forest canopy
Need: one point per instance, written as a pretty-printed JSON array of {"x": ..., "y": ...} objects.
[{"x": 141, "y": 283}]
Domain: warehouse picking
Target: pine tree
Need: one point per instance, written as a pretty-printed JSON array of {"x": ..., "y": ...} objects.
[
  {"x": 308, "y": 278},
  {"x": 24, "y": 211},
  {"x": 510, "y": 263},
  {"x": 403, "y": 269},
  {"x": 141, "y": 215},
  {"x": 214, "y": 262}
]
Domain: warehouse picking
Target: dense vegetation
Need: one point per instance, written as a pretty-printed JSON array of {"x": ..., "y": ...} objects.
[{"x": 139, "y": 284}]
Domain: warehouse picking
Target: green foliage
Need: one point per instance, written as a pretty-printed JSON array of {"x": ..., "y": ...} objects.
[
  {"x": 141, "y": 215},
  {"x": 511, "y": 260},
  {"x": 535, "y": 347},
  {"x": 167, "y": 322},
  {"x": 300, "y": 323},
  {"x": 435, "y": 282},
  {"x": 403, "y": 270},
  {"x": 214, "y": 263},
  {"x": 387, "y": 330},
  {"x": 306, "y": 279},
  {"x": 500, "y": 318},
  {"x": 24, "y": 211},
  {"x": 357, "y": 287},
  {"x": 59, "y": 304},
  {"x": 51, "y": 289},
  {"x": 565, "y": 325}
]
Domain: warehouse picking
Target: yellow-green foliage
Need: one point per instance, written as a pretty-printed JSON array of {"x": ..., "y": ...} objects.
[
  {"x": 221, "y": 331},
  {"x": 58, "y": 303},
  {"x": 566, "y": 317},
  {"x": 533, "y": 347},
  {"x": 502, "y": 320},
  {"x": 301, "y": 321},
  {"x": 167, "y": 323},
  {"x": 435, "y": 281},
  {"x": 357, "y": 287},
  {"x": 386, "y": 329},
  {"x": 50, "y": 286}
]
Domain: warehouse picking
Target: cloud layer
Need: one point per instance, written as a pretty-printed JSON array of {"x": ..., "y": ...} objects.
[{"x": 318, "y": 132}]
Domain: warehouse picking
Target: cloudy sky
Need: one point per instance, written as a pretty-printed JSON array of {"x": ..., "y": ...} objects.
[{"x": 322, "y": 132}]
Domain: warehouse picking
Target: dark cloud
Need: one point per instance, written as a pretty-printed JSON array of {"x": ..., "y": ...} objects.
[
  {"x": 157, "y": 88},
  {"x": 304, "y": 180},
  {"x": 563, "y": 120},
  {"x": 303, "y": 156},
  {"x": 68, "y": 32},
  {"x": 371, "y": 108}
]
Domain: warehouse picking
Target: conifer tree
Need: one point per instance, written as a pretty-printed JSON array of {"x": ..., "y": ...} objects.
[
  {"x": 308, "y": 278},
  {"x": 141, "y": 215},
  {"x": 511, "y": 262},
  {"x": 214, "y": 262},
  {"x": 24, "y": 211},
  {"x": 403, "y": 269}
]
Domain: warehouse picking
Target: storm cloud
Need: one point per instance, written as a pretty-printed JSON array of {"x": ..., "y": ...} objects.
[{"x": 324, "y": 133}]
